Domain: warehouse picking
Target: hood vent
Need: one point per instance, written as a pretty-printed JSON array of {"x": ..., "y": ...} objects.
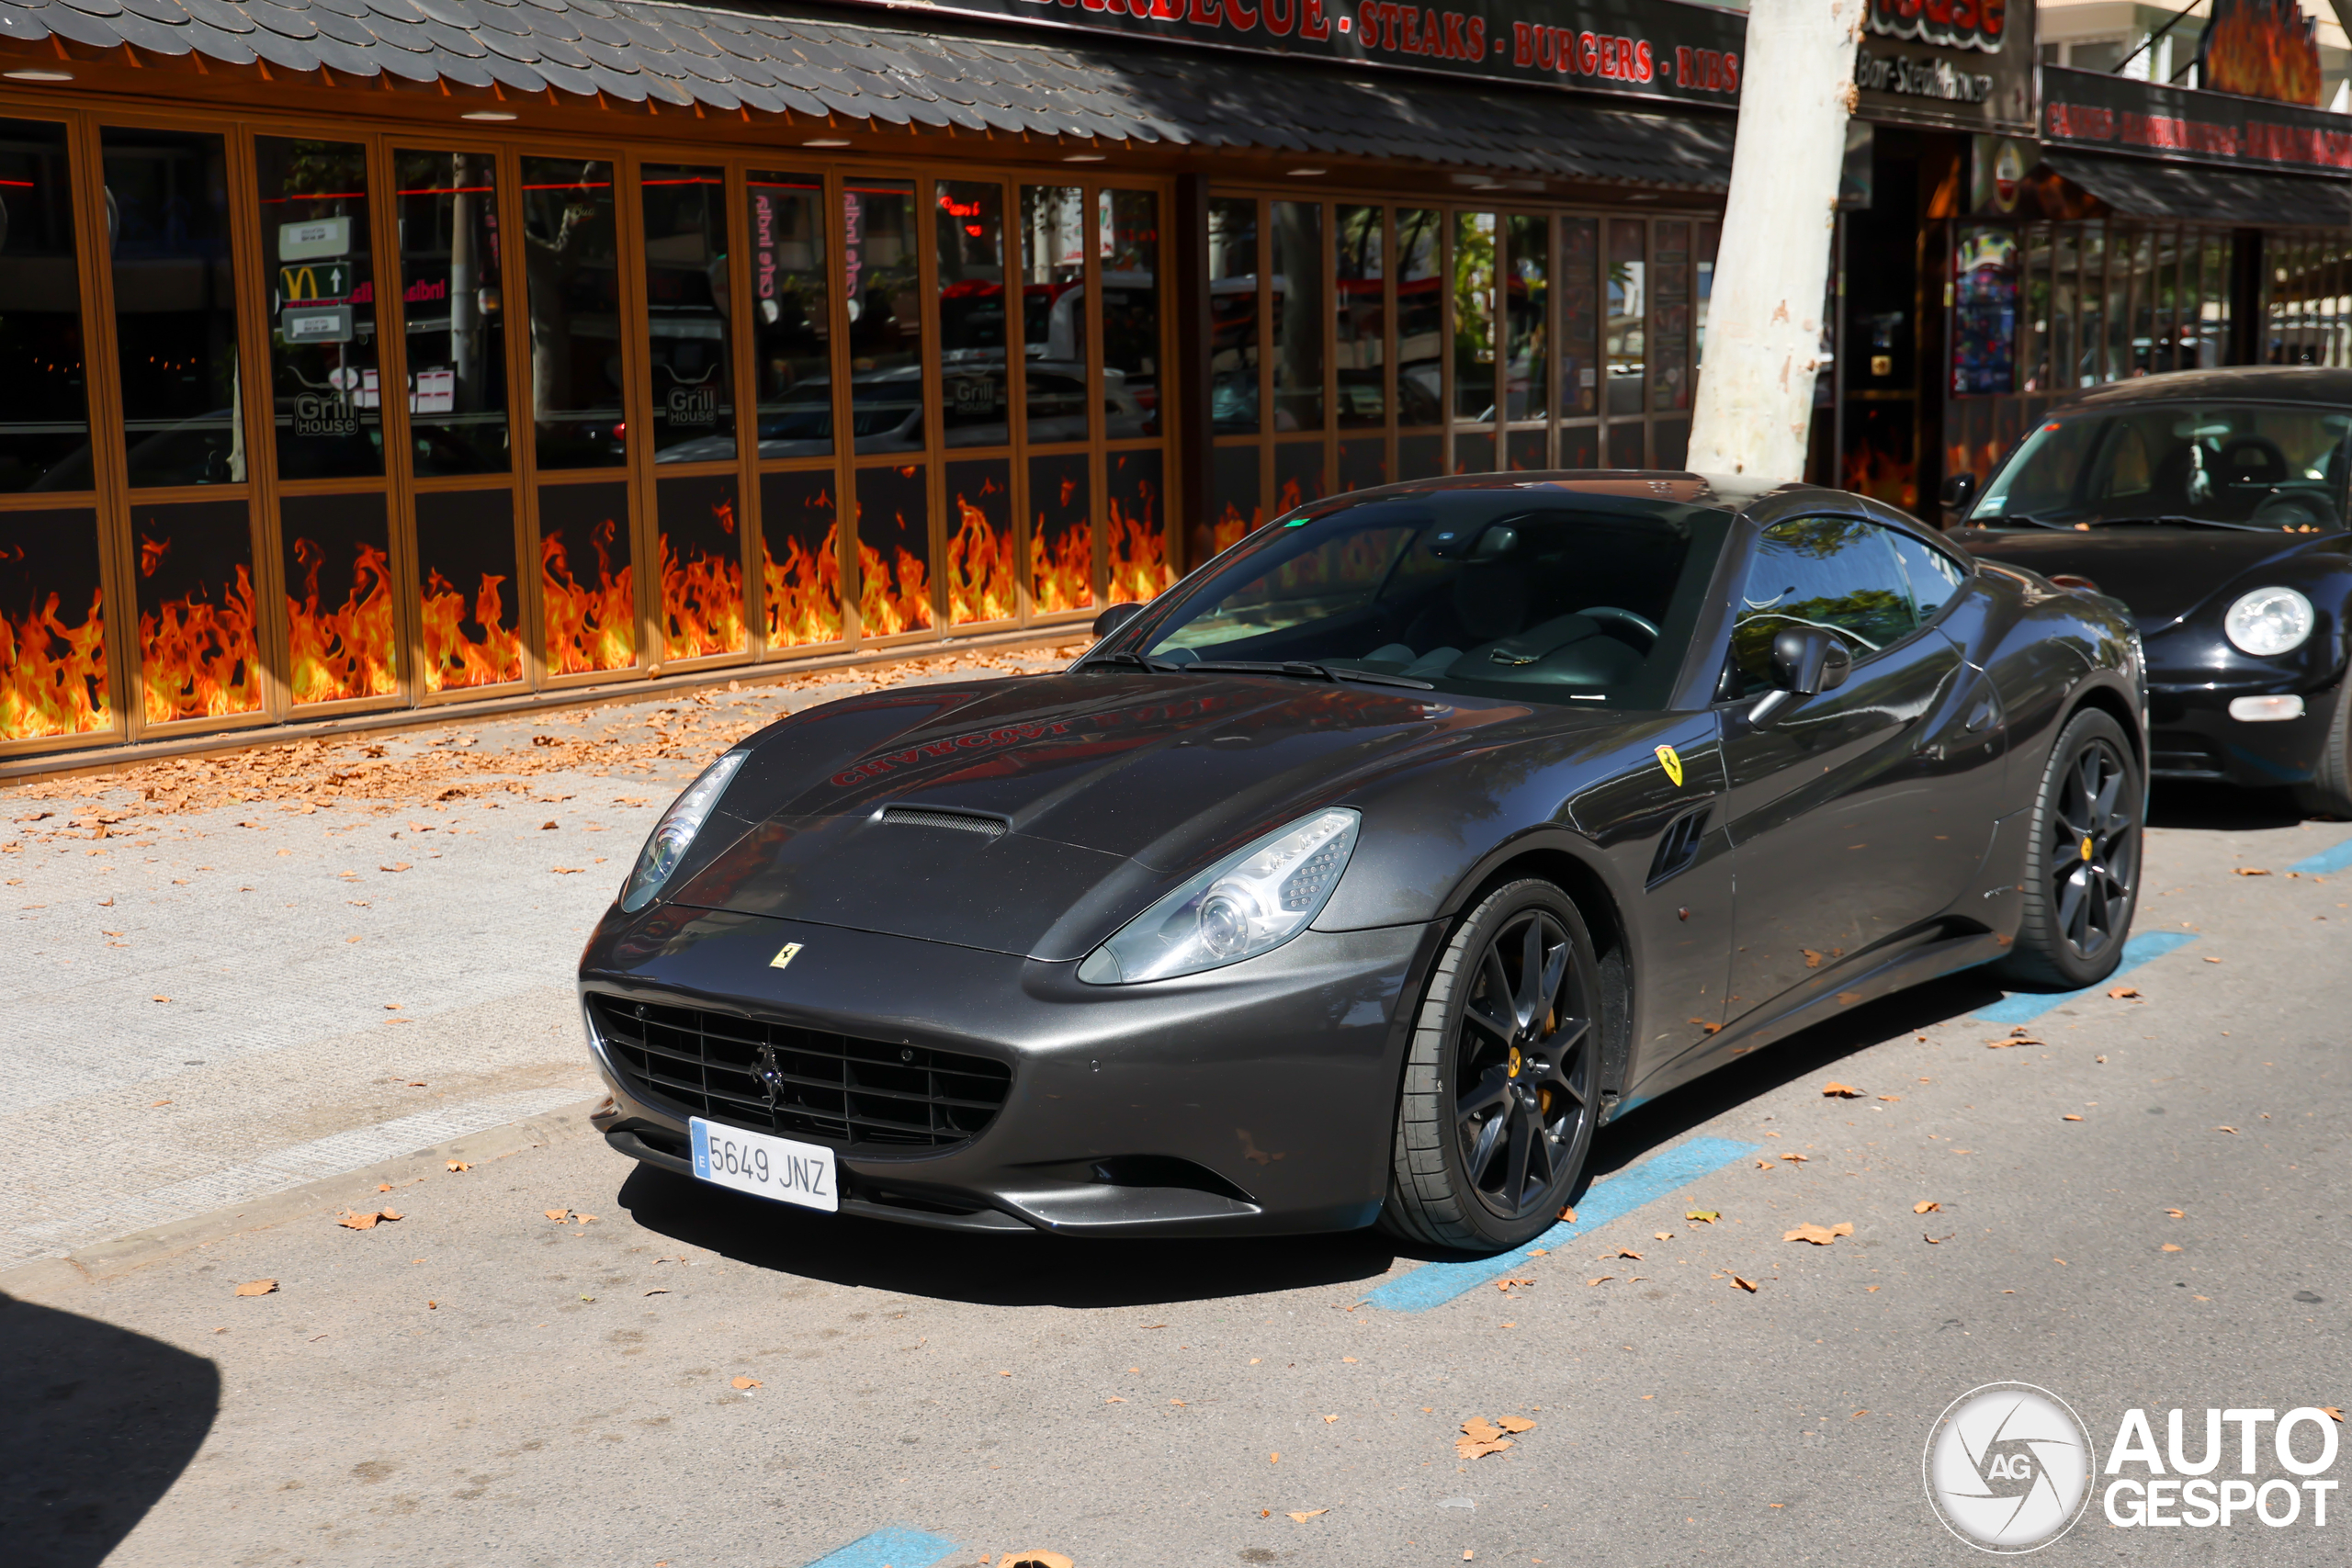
[{"x": 983, "y": 823}]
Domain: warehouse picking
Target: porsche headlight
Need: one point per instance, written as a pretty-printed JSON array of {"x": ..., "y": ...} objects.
[
  {"x": 1246, "y": 904},
  {"x": 674, "y": 834},
  {"x": 2269, "y": 621}
]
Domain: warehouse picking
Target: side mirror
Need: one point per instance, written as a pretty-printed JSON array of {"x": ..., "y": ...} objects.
[
  {"x": 1114, "y": 617},
  {"x": 1959, "y": 490},
  {"x": 1806, "y": 661}
]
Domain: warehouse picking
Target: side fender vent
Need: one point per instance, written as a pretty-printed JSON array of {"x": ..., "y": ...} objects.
[
  {"x": 980, "y": 822},
  {"x": 1679, "y": 845}
]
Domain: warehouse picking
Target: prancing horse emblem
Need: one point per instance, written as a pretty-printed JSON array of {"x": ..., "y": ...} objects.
[
  {"x": 769, "y": 1075},
  {"x": 785, "y": 955}
]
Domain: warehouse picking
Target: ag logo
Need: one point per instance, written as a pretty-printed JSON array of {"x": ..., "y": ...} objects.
[
  {"x": 1672, "y": 762},
  {"x": 2008, "y": 1468}
]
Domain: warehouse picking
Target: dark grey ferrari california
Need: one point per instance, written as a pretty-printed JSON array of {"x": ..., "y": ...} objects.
[{"x": 1361, "y": 876}]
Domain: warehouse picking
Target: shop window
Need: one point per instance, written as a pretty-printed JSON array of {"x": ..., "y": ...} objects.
[
  {"x": 175, "y": 324},
  {"x": 1579, "y": 447},
  {"x": 1233, "y": 317},
  {"x": 453, "y": 311},
  {"x": 44, "y": 394},
  {"x": 800, "y": 562},
  {"x": 980, "y": 578},
  {"x": 1474, "y": 451},
  {"x": 1473, "y": 323},
  {"x": 1420, "y": 456},
  {"x": 1360, "y": 310},
  {"x": 1628, "y": 302},
  {"x": 587, "y": 597},
  {"x": 968, "y": 225},
  {"x": 52, "y": 626},
  {"x": 1236, "y": 502},
  {"x": 469, "y": 598},
  {"x": 1421, "y": 325},
  {"x": 1053, "y": 313},
  {"x": 1708, "y": 240},
  {"x": 1669, "y": 343},
  {"x": 689, "y": 349},
  {"x": 1364, "y": 464},
  {"x": 1985, "y": 310},
  {"x": 1530, "y": 450},
  {"x": 337, "y": 557},
  {"x": 701, "y": 567},
  {"x": 883, "y": 281},
  {"x": 1527, "y": 306},
  {"x": 1299, "y": 475},
  {"x": 1137, "y": 526},
  {"x": 1297, "y": 306},
  {"x": 893, "y": 550},
  {"x": 1669, "y": 443},
  {"x": 1130, "y": 272},
  {"x": 1061, "y": 532},
  {"x": 1579, "y": 317},
  {"x": 577, "y": 355},
  {"x": 1626, "y": 445},
  {"x": 199, "y": 648},
  {"x": 791, "y": 323},
  {"x": 326, "y": 406}
]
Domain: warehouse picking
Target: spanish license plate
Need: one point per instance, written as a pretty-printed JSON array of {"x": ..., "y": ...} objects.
[{"x": 766, "y": 1166}]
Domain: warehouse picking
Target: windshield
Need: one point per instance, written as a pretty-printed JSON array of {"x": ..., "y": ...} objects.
[
  {"x": 2246, "y": 465},
  {"x": 1514, "y": 594}
]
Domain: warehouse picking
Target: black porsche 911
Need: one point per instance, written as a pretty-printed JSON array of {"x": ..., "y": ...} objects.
[
  {"x": 2214, "y": 504},
  {"x": 1361, "y": 876}
]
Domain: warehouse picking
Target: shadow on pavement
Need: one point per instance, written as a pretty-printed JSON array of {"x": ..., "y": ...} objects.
[
  {"x": 2221, "y": 807},
  {"x": 1037, "y": 1269},
  {"x": 95, "y": 1424}
]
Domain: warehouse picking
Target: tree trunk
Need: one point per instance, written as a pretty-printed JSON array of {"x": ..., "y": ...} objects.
[{"x": 1764, "y": 319}]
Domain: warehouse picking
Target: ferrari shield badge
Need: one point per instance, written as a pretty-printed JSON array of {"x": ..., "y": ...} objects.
[
  {"x": 1671, "y": 763},
  {"x": 785, "y": 955}
]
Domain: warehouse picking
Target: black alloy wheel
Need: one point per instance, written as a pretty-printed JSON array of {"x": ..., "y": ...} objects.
[
  {"x": 2082, "y": 870},
  {"x": 1502, "y": 1085}
]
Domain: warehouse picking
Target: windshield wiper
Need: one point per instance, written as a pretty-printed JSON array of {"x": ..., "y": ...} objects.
[
  {"x": 1299, "y": 668},
  {"x": 2178, "y": 519},
  {"x": 2015, "y": 520},
  {"x": 1130, "y": 659}
]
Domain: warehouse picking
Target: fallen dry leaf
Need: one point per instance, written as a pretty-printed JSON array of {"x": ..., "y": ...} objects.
[
  {"x": 1514, "y": 1423},
  {"x": 366, "y": 1222},
  {"x": 1036, "y": 1560},
  {"x": 1703, "y": 1217},
  {"x": 2334, "y": 1414},
  {"x": 1274, "y": 1458},
  {"x": 1818, "y": 1235},
  {"x": 2172, "y": 1246},
  {"x": 1926, "y": 1206},
  {"x": 1299, "y": 1518},
  {"x": 1936, "y": 1240},
  {"x": 2124, "y": 993},
  {"x": 1113, "y": 1399},
  {"x": 461, "y": 1164},
  {"x": 749, "y": 1383},
  {"x": 2013, "y": 1040},
  {"x": 559, "y": 1215},
  {"x": 2210, "y": 959},
  {"x": 1328, "y": 1419},
  {"x": 257, "y": 1287},
  {"x": 1629, "y": 1252},
  {"x": 1744, "y": 1284},
  {"x": 396, "y": 865},
  {"x": 163, "y": 999},
  {"x": 2178, "y": 1213},
  {"x": 1601, "y": 1281},
  {"x": 2225, "y": 1129},
  {"x": 2249, "y": 871},
  {"x": 1798, "y": 1158},
  {"x": 1569, "y": 1216},
  {"x": 1478, "y": 1429},
  {"x": 383, "y": 1187},
  {"x": 2070, "y": 1116},
  {"x": 659, "y": 1291},
  {"x": 1663, "y": 1236},
  {"x": 1840, "y": 1091},
  {"x": 568, "y": 870},
  {"x": 158, "y": 1104}
]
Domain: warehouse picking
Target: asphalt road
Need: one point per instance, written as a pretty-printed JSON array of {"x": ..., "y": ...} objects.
[{"x": 673, "y": 1375}]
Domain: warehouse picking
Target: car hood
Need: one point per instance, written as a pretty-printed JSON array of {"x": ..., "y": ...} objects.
[
  {"x": 2163, "y": 574},
  {"x": 1027, "y": 816}
]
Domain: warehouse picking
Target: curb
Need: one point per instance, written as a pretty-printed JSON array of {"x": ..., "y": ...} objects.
[{"x": 109, "y": 1259}]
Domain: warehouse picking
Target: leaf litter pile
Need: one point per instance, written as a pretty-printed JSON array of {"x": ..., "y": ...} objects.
[
  {"x": 1481, "y": 1436},
  {"x": 432, "y": 768}
]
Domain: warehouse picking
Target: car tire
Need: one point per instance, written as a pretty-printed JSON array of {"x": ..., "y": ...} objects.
[
  {"x": 2330, "y": 792},
  {"x": 1502, "y": 1080},
  {"x": 2082, "y": 860}
]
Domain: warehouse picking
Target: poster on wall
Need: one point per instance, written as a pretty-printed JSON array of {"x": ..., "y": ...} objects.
[{"x": 2262, "y": 48}]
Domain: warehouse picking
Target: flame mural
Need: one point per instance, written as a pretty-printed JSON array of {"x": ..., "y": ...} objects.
[
  {"x": 800, "y": 560},
  {"x": 981, "y": 584},
  {"x": 2265, "y": 49},
  {"x": 588, "y": 623},
  {"x": 893, "y": 580},
  {"x": 468, "y": 536},
  {"x": 198, "y": 653},
  {"x": 1061, "y": 534},
  {"x": 1139, "y": 534},
  {"x": 345, "y": 650},
  {"x": 702, "y": 568},
  {"x": 52, "y": 671}
]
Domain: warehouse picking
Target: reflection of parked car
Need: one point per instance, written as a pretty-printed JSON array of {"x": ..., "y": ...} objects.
[
  {"x": 1366, "y": 873},
  {"x": 2214, "y": 502},
  {"x": 887, "y": 410},
  {"x": 197, "y": 451}
]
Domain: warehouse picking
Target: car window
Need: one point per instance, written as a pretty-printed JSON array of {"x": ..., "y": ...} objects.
[
  {"x": 1935, "y": 577},
  {"x": 1837, "y": 573},
  {"x": 2248, "y": 465}
]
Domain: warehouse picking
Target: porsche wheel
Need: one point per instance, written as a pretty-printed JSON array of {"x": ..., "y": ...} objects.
[
  {"x": 2330, "y": 792},
  {"x": 2082, "y": 870},
  {"x": 1501, "y": 1089}
]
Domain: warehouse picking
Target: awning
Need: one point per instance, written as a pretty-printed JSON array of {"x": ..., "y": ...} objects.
[
  {"x": 2143, "y": 188},
  {"x": 784, "y": 59}
]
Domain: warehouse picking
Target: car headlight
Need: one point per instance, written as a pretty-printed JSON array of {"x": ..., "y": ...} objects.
[
  {"x": 1248, "y": 903},
  {"x": 2269, "y": 621},
  {"x": 674, "y": 834}
]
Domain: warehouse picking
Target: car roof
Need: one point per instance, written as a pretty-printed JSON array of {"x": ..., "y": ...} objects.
[
  {"x": 1658, "y": 486},
  {"x": 2252, "y": 383}
]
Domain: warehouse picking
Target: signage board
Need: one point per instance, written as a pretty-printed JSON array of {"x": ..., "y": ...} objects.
[
  {"x": 315, "y": 323},
  {"x": 314, "y": 239},
  {"x": 1954, "y": 64},
  {"x": 2115, "y": 114}
]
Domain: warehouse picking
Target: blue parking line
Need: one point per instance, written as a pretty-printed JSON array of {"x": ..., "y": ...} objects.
[
  {"x": 2024, "y": 1006},
  {"x": 896, "y": 1546},
  {"x": 2338, "y": 858},
  {"x": 1613, "y": 1198}
]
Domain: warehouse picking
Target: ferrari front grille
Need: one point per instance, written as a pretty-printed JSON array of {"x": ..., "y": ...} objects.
[{"x": 779, "y": 1078}]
